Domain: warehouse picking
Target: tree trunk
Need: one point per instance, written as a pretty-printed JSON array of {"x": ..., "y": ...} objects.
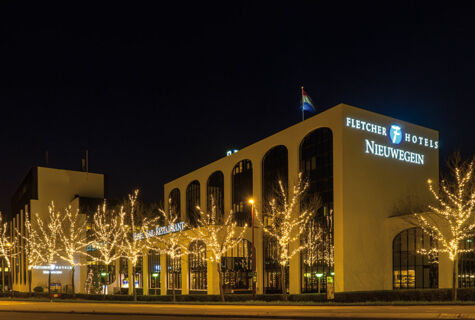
[
  {"x": 30, "y": 273},
  {"x": 283, "y": 285},
  {"x": 10, "y": 285},
  {"x": 221, "y": 289},
  {"x": 454, "y": 280},
  {"x": 134, "y": 291},
  {"x": 72, "y": 282},
  {"x": 49, "y": 285},
  {"x": 173, "y": 286}
]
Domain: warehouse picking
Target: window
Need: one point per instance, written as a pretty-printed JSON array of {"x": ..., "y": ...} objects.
[
  {"x": 275, "y": 168},
  {"x": 173, "y": 272},
  {"x": 467, "y": 264},
  {"x": 410, "y": 268},
  {"x": 197, "y": 266},
  {"x": 272, "y": 270},
  {"x": 215, "y": 193},
  {"x": 154, "y": 270},
  {"x": 242, "y": 191},
  {"x": 316, "y": 163},
  {"x": 236, "y": 265},
  {"x": 174, "y": 202},
  {"x": 192, "y": 201}
]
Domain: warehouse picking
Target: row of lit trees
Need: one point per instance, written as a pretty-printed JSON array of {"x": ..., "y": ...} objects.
[{"x": 122, "y": 232}]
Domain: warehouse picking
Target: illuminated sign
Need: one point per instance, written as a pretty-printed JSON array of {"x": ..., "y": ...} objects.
[
  {"x": 395, "y": 135},
  {"x": 394, "y": 153},
  {"x": 53, "y": 267},
  {"x": 159, "y": 231},
  {"x": 230, "y": 152}
]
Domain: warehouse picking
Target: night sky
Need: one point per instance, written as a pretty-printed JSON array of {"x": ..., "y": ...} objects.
[{"x": 154, "y": 92}]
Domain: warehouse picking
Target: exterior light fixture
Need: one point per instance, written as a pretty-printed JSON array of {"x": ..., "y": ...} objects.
[{"x": 319, "y": 275}]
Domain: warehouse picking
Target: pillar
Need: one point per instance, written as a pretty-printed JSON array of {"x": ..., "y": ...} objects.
[
  {"x": 258, "y": 208},
  {"x": 145, "y": 274},
  {"x": 130, "y": 272},
  {"x": 294, "y": 267},
  {"x": 213, "y": 277},
  {"x": 163, "y": 274},
  {"x": 185, "y": 283}
]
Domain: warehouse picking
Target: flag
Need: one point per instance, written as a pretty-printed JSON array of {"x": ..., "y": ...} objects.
[{"x": 307, "y": 104}]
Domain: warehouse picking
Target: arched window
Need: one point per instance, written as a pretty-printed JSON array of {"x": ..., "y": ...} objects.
[
  {"x": 192, "y": 200},
  {"x": 410, "y": 268},
  {"x": 467, "y": 264},
  {"x": 236, "y": 265},
  {"x": 242, "y": 191},
  {"x": 275, "y": 168},
  {"x": 154, "y": 269},
  {"x": 316, "y": 163},
  {"x": 197, "y": 266},
  {"x": 174, "y": 202},
  {"x": 215, "y": 193},
  {"x": 174, "y": 273}
]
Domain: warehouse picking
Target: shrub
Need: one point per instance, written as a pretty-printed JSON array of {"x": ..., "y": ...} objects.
[{"x": 38, "y": 289}]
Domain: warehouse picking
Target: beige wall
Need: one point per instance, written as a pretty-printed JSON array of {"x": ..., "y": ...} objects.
[
  {"x": 61, "y": 187},
  {"x": 367, "y": 188}
]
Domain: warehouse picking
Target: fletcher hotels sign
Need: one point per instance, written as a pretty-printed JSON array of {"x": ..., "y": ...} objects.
[{"x": 395, "y": 136}]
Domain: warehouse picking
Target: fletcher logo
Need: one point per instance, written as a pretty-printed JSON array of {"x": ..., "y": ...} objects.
[{"x": 395, "y": 134}]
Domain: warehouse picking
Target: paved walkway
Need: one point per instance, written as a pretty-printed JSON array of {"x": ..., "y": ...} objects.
[{"x": 250, "y": 311}]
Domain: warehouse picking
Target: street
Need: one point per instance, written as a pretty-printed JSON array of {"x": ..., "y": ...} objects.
[{"x": 76, "y": 310}]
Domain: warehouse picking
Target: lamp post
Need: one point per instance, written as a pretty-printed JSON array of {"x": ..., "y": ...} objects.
[{"x": 254, "y": 275}]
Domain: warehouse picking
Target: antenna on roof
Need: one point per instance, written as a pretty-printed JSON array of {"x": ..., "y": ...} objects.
[
  {"x": 46, "y": 157},
  {"x": 85, "y": 162}
]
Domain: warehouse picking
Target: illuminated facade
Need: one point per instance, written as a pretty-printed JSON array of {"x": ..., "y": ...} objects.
[
  {"x": 80, "y": 190},
  {"x": 366, "y": 167}
]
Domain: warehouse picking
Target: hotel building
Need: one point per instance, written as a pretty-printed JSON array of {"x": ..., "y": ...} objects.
[{"x": 368, "y": 169}]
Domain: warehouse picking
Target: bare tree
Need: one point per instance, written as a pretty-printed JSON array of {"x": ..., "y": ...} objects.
[
  {"x": 451, "y": 219},
  {"x": 73, "y": 240},
  {"x": 7, "y": 253},
  {"x": 47, "y": 239},
  {"x": 108, "y": 237},
  {"x": 218, "y": 236},
  {"x": 285, "y": 223},
  {"x": 31, "y": 248},
  {"x": 135, "y": 235},
  {"x": 172, "y": 244}
]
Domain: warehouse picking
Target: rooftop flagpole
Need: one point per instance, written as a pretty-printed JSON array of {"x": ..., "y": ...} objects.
[{"x": 301, "y": 105}]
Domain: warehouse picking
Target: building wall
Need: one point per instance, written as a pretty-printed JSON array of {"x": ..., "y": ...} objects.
[
  {"x": 62, "y": 187},
  {"x": 373, "y": 189},
  {"x": 367, "y": 190}
]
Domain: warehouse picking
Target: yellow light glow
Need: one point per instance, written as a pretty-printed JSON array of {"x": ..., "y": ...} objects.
[{"x": 251, "y": 201}]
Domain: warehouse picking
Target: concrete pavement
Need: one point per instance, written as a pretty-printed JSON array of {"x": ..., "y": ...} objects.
[{"x": 248, "y": 311}]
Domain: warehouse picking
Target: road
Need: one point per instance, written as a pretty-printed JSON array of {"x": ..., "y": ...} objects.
[{"x": 67, "y": 310}]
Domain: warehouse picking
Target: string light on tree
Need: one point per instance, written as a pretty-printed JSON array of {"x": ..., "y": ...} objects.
[{"x": 451, "y": 219}]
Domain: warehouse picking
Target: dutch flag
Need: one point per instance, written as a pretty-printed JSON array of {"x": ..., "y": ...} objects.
[{"x": 307, "y": 104}]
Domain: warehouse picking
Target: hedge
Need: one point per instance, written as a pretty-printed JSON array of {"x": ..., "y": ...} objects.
[{"x": 465, "y": 294}]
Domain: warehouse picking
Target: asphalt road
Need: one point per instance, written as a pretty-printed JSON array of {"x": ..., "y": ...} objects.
[
  {"x": 76, "y": 310},
  {"x": 69, "y": 316}
]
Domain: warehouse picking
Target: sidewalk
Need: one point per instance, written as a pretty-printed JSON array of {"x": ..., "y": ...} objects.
[{"x": 249, "y": 311}]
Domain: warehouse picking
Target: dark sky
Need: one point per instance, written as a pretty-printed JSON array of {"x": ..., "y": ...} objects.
[{"x": 156, "y": 91}]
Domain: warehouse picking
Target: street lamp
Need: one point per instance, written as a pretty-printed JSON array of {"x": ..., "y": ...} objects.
[
  {"x": 254, "y": 275},
  {"x": 10, "y": 271}
]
